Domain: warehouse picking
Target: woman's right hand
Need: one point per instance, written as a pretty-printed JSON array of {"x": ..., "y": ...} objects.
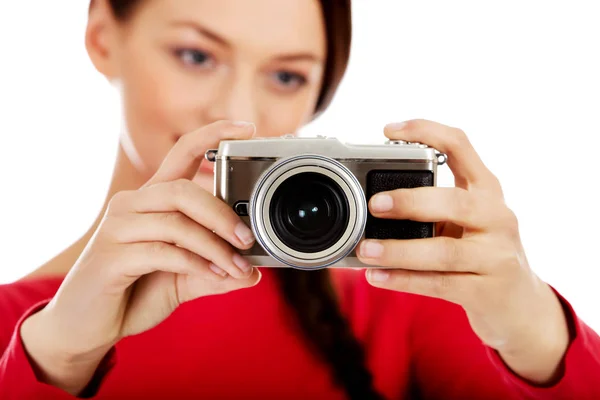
[{"x": 157, "y": 247}]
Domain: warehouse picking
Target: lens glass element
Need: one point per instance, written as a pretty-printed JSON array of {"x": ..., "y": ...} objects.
[{"x": 309, "y": 212}]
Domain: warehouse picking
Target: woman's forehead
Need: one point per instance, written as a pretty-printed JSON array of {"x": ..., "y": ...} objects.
[{"x": 276, "y": 26}]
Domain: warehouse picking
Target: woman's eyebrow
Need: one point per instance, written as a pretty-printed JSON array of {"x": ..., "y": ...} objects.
[
  {"x": 300, "y": 57},
  {"x": 215, "y": 37},
  {"x": 203, "y": 31}
]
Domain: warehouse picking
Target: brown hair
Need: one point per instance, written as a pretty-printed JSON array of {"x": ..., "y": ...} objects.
[{"x": 310, "y": 294}]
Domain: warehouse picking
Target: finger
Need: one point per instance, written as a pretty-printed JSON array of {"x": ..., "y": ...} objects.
[
  {"x": 178, "y": 229},
  {"x": 190, "y": 199},
  {"x": 450, "y": 286},
  {"x": 471, "y": 210},
  {"x": 191, "y": 287},
  {"x": 139, "y": 259},
  {"x": 463, "y": 160},
  {"x": 441, "y": 254},
  {"x": 183, "y": 161}
]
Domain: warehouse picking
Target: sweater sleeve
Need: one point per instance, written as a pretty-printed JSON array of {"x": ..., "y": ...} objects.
[
  {"x": 451, "y": 362},
  {"x": 18, "y": 379}
]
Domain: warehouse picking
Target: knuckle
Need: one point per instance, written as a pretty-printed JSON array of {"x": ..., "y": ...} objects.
[
  {"x": 393, "y": 252},
  {"x": 114, "y": 257},
  {"x": 441, "y": 284},
  {"x": 179, "y": 188},
  {"x": 406, "y": 199},
  {"x": 110, "y": 229},
  {"x": 507, "y": 258},
  {"x": 185, "y": 143},
  {"x": 222, "y": 209},
  {"x": 190, "y": 258},
  {"x": 187, "y": 139},
  {"x": 195, "y": 143},
  {"x": 417, "y": 122},
  {"x": 464, "y": 204},
  {"x": 226, "y": 221},
  {"x": 458, "y": 137},
  {"x": 450, "y": 253},
  {"x": 156, "y": 248},
  {"x": 119, "y": 202},
  {"x": 170, "y": 218},
  {"x": 510, "y": 221},
  {"x": 495, "y": 180},
  {"x": 495, "y": 184}
]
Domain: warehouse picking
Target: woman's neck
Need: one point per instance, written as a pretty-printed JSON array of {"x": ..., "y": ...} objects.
[{"x": 125, "y": 177}]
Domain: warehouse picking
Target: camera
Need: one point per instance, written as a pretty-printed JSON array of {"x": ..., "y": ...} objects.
[{"x": 305, "y": 198}]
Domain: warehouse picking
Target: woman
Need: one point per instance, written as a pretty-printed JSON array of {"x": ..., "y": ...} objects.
[{"x": 130, "y": 310}]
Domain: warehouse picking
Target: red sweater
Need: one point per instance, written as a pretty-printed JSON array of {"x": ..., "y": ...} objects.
[{"x": 243, "y": 345}]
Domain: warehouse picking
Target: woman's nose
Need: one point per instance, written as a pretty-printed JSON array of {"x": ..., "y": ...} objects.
[{"x": 234, "y": 100}]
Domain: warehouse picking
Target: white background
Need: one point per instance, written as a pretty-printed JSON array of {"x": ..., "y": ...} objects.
[{"x": 522, "y": 78}]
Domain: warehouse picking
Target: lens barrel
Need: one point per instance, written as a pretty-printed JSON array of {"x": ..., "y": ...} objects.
[{"x": 308, "y": 211}]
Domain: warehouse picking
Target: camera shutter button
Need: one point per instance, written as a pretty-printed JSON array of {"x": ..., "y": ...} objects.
[{"x": 395, "y": 142}]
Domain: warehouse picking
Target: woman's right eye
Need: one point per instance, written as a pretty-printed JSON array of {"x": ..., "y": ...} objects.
[{"x": 195, "y": 58}]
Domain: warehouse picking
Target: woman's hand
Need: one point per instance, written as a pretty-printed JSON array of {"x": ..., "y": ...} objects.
[
  {"x": 157, "y": 247},
  {"x": 476, "y": 260}
]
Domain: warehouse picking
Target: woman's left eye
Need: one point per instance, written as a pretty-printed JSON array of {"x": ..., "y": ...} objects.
[
  {"x": 289, "y": 80},
  {"x": 197, "y": 58}
]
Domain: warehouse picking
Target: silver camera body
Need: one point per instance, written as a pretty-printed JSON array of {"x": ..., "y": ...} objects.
[{"x": 306, "y": 199}]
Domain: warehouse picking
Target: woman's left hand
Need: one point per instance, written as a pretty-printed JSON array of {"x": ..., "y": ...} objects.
[{"x": 476, "y": 259}]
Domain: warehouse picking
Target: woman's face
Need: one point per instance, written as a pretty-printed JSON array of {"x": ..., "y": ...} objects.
[{"x": 186, "y": 63}]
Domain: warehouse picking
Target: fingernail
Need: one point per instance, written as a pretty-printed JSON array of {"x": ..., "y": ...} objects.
[
  {"x": 382, "y": 202},
  {"x": 378, "y": 275},
  {"x": 371, "y": 249},
  {"x": 259, "y": 276},
  {"x": 396, "y": 126},
  {"x": 217, "y": 270},
  {"x": 244, "y": 233},
  {"x": 242, "y": 263},
  {"x": 243, "y": 124}
]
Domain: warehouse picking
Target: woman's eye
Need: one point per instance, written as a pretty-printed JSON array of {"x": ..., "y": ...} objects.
[
  {"x": 195, "y": 58},
  {"x": 289, "y": 80}
]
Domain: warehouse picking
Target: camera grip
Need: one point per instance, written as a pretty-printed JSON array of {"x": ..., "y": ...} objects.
[{"x": 379, "y": 181}]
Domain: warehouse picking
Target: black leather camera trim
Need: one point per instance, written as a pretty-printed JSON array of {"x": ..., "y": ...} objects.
[{"x": 379, "y": 181}]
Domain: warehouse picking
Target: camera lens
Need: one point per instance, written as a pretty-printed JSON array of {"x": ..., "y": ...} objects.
[{"x": 309, "y": 212}]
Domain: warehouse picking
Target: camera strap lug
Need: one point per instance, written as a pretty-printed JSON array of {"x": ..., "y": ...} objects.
[
  {"x": 211, "y": 155},
  {"x": 441, "y": 158}
]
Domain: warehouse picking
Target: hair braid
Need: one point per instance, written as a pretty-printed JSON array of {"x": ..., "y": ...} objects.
[{"x": 311, "y": 295}]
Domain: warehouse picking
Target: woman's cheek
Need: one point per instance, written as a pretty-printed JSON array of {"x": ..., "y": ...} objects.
[{"x": 160, "y": 113}]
